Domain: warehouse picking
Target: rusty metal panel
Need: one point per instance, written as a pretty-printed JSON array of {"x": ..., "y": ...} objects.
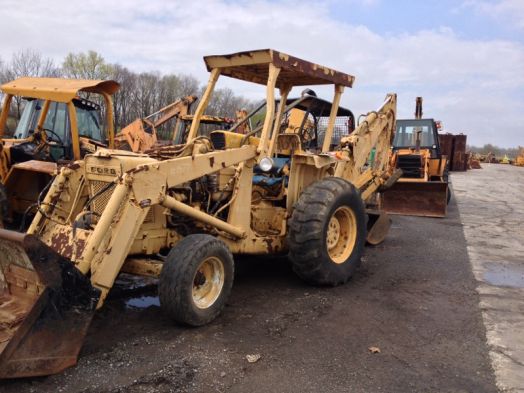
[
  {"x": 37, "y": 166},
  {"x": 426, "y": 199},
  {"x": 46, "y": 306},
  {"x": 253, "y": 66},
  {"x": 459, "y": 162},
  {"x": 446, "y": 144}
]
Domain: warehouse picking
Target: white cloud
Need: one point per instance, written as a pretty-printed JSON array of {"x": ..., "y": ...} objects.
[
  {"x": 472, "y": 86},
  {"x": 504, "y": 10}
]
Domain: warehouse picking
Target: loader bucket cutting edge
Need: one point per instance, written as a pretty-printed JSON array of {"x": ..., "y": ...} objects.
[
  {"x": 46, "y": 306},
  {"x": 427, "y": 199}
]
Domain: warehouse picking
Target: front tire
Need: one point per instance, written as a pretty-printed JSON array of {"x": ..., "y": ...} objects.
[
  {"x": 196, "y": 280},
  {"x": 327, "y": 232}
]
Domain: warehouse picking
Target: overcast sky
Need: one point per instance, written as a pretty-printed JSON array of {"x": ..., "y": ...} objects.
[{"x": 466, "y": 58}]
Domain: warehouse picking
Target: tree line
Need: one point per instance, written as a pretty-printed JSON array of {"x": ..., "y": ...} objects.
[
  {"x": 499, "y": 152},
  {"x": 140, "y": 94}
]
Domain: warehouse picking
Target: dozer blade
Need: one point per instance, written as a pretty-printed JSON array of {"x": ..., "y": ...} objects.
[
  {"x": 427, "y": 199},
  {"x": 46, "y": 306}
]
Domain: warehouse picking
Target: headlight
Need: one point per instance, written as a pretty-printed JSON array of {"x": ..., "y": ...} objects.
[{"x": 266, "y": 164}]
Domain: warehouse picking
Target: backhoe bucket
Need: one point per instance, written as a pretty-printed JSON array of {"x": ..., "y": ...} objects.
[
  {"x": 46, "y": 306},
  {"x": 378, "y": 226},
  {"x": 427, "y": 199}
]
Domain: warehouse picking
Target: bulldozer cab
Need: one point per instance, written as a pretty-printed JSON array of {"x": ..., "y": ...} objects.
[
  {"x": 417, "y": 134},
  {"x": 56, "y": 115}
]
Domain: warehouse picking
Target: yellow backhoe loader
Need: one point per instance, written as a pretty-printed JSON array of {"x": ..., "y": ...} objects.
[
  {"x": 276, "y": 189},
  {"x": 423, "y": 188},
  {"x": 56, "y": 126}
]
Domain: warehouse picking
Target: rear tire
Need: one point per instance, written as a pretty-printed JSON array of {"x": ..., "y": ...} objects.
[
  {"x": 327, "y": 232},
  {"x": 196, "y": 280}
]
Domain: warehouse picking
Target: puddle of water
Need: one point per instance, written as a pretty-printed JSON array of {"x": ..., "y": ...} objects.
[
  {"x": 505, "y": 276},
  {"x": 143, "y": 302}
]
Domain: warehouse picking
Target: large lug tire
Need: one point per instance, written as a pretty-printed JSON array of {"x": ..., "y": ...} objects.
[
  {"x": 196, "y": 280},
  {"x": 327, "y": 232}
]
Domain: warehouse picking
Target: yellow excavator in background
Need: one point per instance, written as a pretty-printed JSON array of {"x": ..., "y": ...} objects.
[
  {"x": 144, "y": 135},
  {"x": 422, "y": 190}
]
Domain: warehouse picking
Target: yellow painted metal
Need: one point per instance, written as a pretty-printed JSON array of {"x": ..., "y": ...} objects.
[
  {"x": 213, "y": 77},
  {"x": 73, "y": 123},
  {"x": 5, "y": 113},
  {"x": 142, "y": 267},
  {"x": 284, "y": 91},
  {"x": 208, "y": 282},
  {"x": 341, "y": 234},
  {"x": 263, "y": 147},
  {"x": 57, "y": 89},
  {"x": 110, "y": 123},
  {"x": 114, "y": 248},
  {"x": 339, "y": 89},
  {"x": 172, "y": 203},
  {"x": 102, "y": 228},
  {"x": 43, "y": 115},
  {"x": 233, "y": 140}
]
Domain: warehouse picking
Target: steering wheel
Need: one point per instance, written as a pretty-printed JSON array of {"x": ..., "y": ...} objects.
[{"x": 59, "y": 140}]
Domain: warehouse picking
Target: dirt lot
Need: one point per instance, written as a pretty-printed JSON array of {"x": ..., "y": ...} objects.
[{"x": 414, "y": 298}]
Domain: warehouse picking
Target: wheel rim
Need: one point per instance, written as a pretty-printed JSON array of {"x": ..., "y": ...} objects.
[
  {"x": 208, "y": 282},
  {"x": 341, "y": 234}
]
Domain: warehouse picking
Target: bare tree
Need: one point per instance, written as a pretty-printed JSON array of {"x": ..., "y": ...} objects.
[
  {"x": 26, "y": 63},
  {"x": 140, "y": 94}
]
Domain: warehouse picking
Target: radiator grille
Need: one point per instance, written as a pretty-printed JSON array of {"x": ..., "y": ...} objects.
[
  {"x": 100, "y": 202},
  {"x": 411, "y": 165}
]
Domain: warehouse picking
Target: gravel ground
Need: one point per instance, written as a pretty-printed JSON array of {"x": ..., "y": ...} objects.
[{"x": 413, "y": 298}]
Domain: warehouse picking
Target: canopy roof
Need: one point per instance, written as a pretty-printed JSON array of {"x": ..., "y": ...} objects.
[
  {"x": 253, "y": 66},
  {"x": 316, "y": 106},
  {"x": 57, "y": 89}
]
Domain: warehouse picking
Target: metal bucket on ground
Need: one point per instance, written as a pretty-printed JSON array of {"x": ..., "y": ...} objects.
[
  {"x": 426, "y": 199},
  {"x": 46, "y": 306}
]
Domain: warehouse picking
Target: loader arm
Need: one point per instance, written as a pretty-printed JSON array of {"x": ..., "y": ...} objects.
[
  {"x": 374, "y": 132},
  {"x": 108, "y": 245}
]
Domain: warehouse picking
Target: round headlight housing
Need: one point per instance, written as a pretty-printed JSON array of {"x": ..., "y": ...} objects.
[{"x": 266, "y": 164}]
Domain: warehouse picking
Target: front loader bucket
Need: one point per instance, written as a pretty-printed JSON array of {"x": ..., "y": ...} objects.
[
  {"x": 427, "y": 199},
  {"x": 46, "y": 306}
]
